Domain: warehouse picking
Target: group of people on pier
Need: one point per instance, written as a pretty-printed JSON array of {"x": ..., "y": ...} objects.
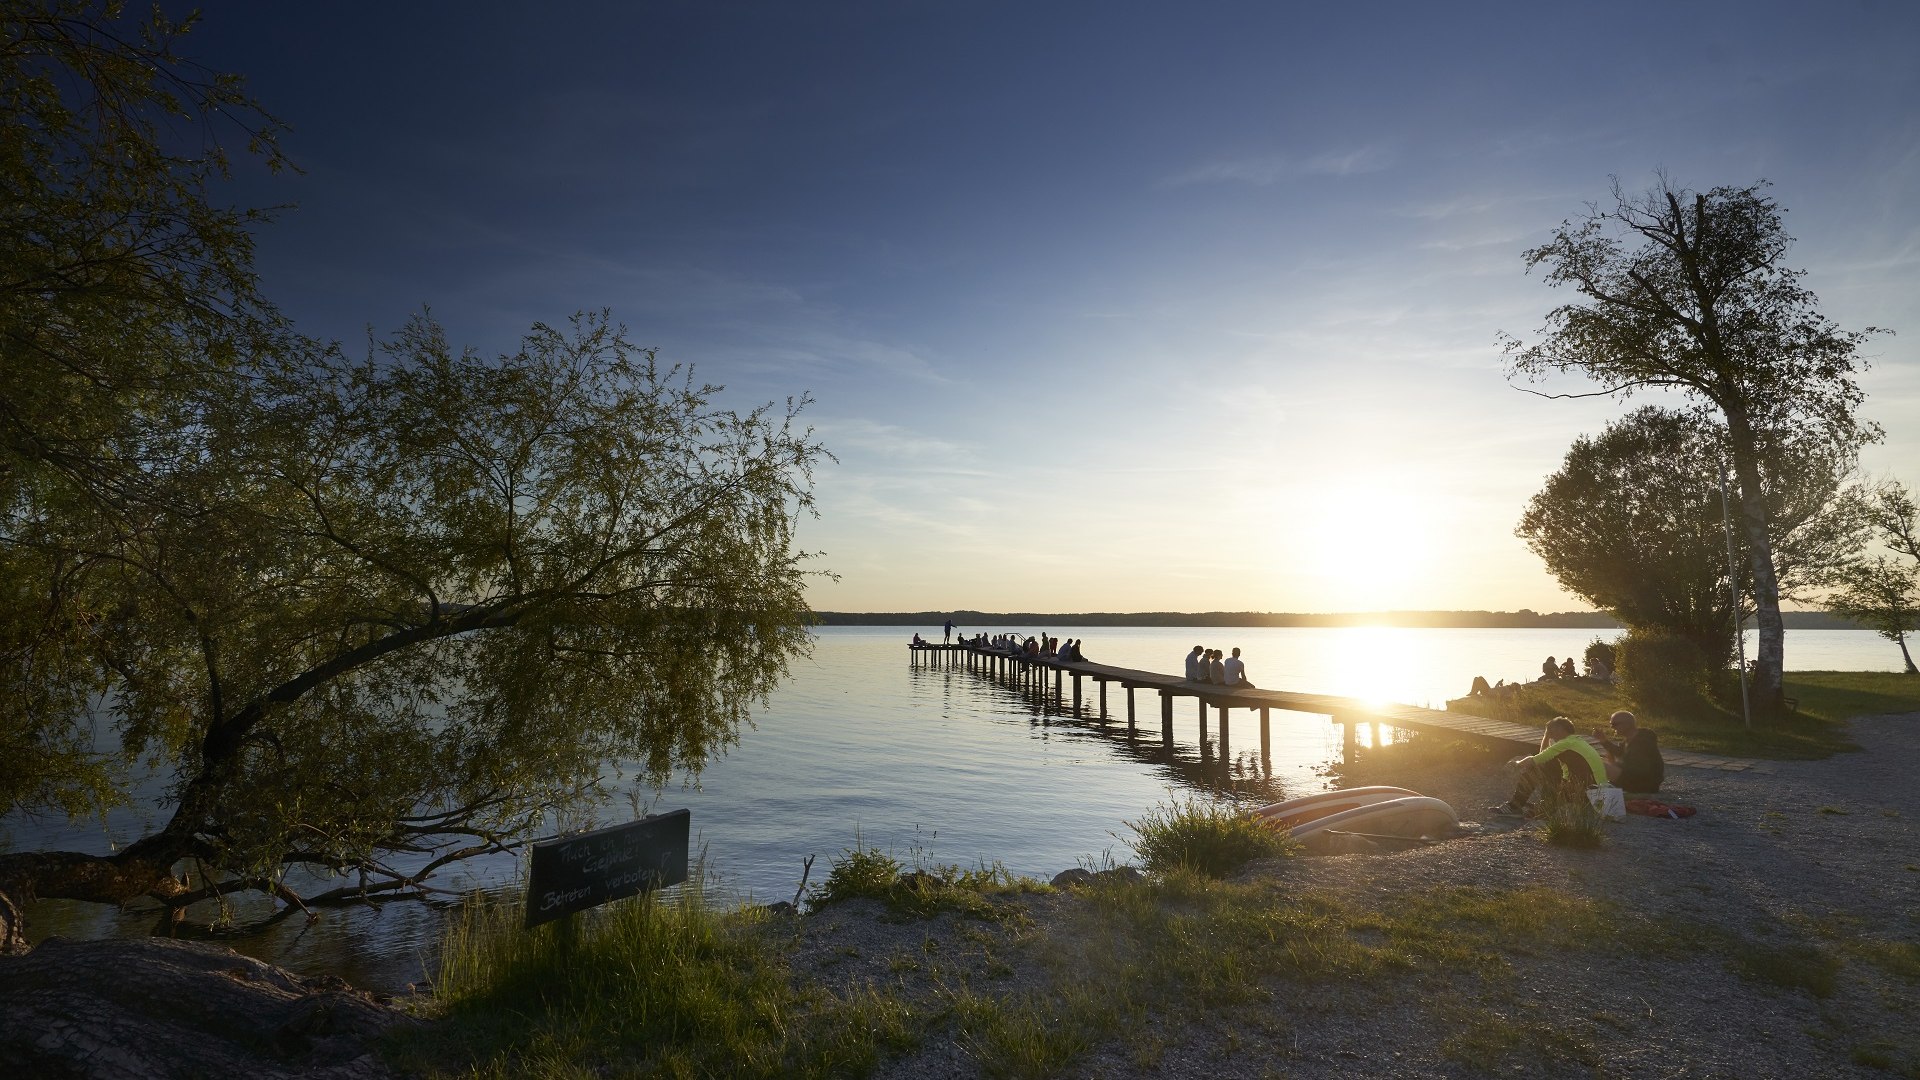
[
  {"x": 1036, "y": 646},
  {"x": 1206, "y": 665}
]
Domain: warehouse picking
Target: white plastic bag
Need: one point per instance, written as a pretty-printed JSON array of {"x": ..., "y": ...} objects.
[{"x": 1610, "y": 801}]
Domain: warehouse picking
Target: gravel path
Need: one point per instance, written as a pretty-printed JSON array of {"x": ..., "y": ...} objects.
[{"x": 1818, "y": 858}]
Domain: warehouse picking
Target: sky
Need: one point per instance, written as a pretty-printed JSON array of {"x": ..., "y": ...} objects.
[{"x": 1102, "y": 306}]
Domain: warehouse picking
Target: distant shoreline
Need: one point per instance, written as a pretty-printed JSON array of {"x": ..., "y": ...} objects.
[{"x": 1523, "y": 619}]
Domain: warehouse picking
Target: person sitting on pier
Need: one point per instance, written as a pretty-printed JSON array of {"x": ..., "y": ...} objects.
[
  {"x": 1065, "y": 652},
  {"x": 1236, "y": 671},
  {"x": 1078, "y": 657},
  {"x": 1633, "y": 762},
  {"x": 916, "y": 639},
  {"x": 1216, "y": 671},
  {"x": 1195, "y": 672},
  {"x": 1565, "y": 760}
]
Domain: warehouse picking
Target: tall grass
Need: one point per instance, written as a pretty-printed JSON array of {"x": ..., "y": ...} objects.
[
  {"x": 1215, "y": 839},
  {"x": 646, "y": 986}
]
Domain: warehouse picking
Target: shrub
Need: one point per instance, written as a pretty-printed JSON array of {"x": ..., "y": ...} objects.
[
  {"x": 859, "y": 871},
  {"x": 1662, "y": 672},
  {"x": 1215, "y": 839},
  {"x": 921, "y": 892},
  {"x": 1600, "y": 652}
]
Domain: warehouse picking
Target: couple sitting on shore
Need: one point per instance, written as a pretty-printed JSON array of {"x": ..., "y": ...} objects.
[
  {"x": 1570, "y": 762},
  {"x": 1205, "y": 665}
]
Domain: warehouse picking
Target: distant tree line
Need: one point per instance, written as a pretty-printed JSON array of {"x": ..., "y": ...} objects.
[{"x": 1522, "y": 619}]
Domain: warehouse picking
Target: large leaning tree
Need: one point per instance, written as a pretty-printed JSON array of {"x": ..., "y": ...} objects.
[
  {"x": 1688, "y": 291},
  {"x": 376, "y": 616},
  {"x": 362, "y": 615},
  {"x": 1632, "y": 523}
]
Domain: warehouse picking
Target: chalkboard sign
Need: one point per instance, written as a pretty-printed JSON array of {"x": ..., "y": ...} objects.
[{"x": 593, "y": 868}]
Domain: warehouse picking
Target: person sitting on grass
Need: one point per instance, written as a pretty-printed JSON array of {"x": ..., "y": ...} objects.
[
  {"x": 1633, "y": 762},
  {"x": 1565, "y": 761}
]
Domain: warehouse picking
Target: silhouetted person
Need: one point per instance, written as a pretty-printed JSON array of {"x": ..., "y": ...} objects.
[
  {"x": 1633, "y": 754},
  {"x": 1567, "y": 670},
  {"x": 1236, "y": 672},
  {"x": 1549, "y": 670},
  {"x": 1196, "y": 673}
]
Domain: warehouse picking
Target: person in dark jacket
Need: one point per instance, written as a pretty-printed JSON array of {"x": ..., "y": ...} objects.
[{"x": 1633, "y": 754}]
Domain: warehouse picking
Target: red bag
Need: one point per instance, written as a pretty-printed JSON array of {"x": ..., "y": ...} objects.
[{"x": 1656, "y": 808}]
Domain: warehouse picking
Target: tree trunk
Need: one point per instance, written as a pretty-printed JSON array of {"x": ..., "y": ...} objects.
[
  {"x": 1905, "y": 655},
  {"x": 1766, "y": 690},
  {"x": 143, "y": 869}
]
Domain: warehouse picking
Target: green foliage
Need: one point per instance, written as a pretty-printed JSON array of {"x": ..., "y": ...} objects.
[
  {"x": 1210, "y": 838},
  {"x": 1663, "y": 673},
  {"x": 419, "y": 600},
  {"x": 1689, "y": 291},
  {"x": 126, "y": 294},
  {"x": 1600, "y": 653},
  {"x": 1632, "y": 522},
  {"x": 652, "y": 987},
  {"x": 1788, "y": 965},
  {"x": 1882, "y": 592},
  {"x": 928, "y": 889}
]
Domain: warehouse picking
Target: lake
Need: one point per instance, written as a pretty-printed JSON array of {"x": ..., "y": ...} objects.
[{"x": 860, "y": 746}]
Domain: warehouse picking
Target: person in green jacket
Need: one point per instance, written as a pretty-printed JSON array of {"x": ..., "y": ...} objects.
[{"x": 1564, "y": 760}]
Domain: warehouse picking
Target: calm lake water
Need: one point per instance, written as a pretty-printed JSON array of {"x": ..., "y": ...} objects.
[{"x": 860, "y": 746}]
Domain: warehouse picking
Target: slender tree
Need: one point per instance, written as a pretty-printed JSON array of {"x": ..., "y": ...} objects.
[{"x": 1688, "y": 292}]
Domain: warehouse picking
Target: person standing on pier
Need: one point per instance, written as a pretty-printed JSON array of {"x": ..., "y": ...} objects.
[
  {"x": 1196, "y": 673},
  {"x": 947, "y": 636}
]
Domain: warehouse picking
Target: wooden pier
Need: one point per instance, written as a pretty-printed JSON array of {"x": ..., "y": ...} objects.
[{"x": 1350, "y": 713}]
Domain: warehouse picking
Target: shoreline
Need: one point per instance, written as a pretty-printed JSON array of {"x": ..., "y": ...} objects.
[{"x": 1772, "y": 935}]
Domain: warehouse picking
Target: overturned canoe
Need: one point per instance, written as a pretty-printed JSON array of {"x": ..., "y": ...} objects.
[
  {"x": 1408, "y": 816},
  {"x": 1296, "y": 812}
]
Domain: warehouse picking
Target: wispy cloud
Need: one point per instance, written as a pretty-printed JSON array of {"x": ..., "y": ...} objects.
[{"x": 1268, "y": 169}]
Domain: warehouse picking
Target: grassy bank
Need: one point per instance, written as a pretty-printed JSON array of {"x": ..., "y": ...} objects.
[
  {"x": 1826, "y": 700},
  {"x": 1109, "y": 972}
]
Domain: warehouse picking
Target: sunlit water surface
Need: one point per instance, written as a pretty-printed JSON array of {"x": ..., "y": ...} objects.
[{"x": 946, "y": 765}]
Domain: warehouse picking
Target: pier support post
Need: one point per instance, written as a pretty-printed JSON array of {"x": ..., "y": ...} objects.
[
  {"x": 1076, "y": 693},
  {"x": 1057, "y": 699},
  {"x": 1203, "y": 729},
  {"x": 1129, "y": 706},
  {"x": 1349, "y": 744},
  {"x": 1225, "y": 754},
  {"x": 1103, "y": 699},
  {"x": 1266, "y": 744},
  {"x": 1166, "y": 718}
]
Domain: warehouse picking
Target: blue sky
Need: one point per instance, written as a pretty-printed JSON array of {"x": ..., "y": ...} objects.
[{"x": 1103, "y": 306}]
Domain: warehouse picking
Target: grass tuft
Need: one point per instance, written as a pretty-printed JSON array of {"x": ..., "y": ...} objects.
[
  {"x": 869, "y": 873},
  {"x": 1214, "y": 839},
  {"x": 1572, "y": 822}
]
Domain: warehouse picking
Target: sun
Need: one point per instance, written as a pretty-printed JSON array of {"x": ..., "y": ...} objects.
[{"x": 1369, "y": 546}]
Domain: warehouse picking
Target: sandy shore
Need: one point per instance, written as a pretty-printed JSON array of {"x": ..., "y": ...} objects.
[{"x": 1820, "y": 856}]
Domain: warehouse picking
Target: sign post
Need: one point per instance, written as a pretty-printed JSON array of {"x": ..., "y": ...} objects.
[{"x": 579, "y": 872}]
